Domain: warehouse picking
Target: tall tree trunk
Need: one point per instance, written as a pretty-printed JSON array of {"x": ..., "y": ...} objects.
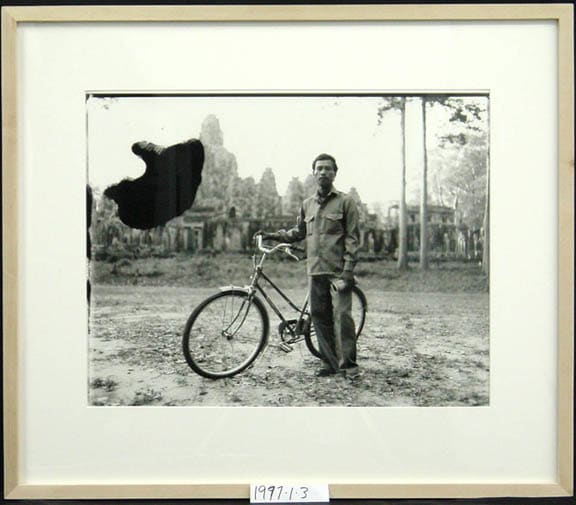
[
  {"x": 424, "y": 197},
  {"x": 402, "y": 225}
]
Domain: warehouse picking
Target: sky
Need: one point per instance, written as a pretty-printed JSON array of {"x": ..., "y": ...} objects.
[{"x": 283, "y": 133}]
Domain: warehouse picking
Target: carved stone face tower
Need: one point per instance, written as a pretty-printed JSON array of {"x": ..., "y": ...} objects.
[{"x": 211, "y": 133}]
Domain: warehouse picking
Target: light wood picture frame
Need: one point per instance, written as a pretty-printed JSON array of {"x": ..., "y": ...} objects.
[{"x": 15, "y": 17}]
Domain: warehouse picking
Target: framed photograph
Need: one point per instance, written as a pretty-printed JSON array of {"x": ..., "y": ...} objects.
[{"x": 288, "y": 244}]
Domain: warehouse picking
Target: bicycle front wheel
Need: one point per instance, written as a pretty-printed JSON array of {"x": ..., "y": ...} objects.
[
  {"x": 359, "y": 309},
  {"x": 225, "y": 334}
]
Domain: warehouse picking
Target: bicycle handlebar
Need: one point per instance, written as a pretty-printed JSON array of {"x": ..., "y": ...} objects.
[{"x": 284, "y": 247}]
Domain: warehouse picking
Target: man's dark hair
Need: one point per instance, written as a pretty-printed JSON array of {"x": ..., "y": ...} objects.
[{"x": 323, "y": 157}]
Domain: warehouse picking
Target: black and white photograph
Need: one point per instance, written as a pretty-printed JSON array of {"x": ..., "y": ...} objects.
[{"x": 273, "y": 249}]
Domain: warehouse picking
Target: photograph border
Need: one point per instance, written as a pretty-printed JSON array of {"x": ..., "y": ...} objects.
[{"x": 12, "y": 17}]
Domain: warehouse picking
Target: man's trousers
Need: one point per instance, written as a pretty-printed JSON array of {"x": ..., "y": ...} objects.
[{"x": 331, "y": 313}]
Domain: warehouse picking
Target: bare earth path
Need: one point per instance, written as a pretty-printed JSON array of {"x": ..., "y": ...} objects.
[{"x": 417, "y": 349}]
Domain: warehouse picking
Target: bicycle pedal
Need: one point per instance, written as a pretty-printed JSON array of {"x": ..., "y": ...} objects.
[{"x": 285, "y": 347}]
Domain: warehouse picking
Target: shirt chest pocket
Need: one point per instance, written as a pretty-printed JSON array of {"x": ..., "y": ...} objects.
[{"x": 333, "y": 223}]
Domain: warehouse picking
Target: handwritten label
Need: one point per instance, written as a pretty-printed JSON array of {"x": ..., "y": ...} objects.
[{"x": 284, "y": 493}]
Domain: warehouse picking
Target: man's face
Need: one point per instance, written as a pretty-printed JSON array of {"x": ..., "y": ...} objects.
[{"x": 324, "y": 173}]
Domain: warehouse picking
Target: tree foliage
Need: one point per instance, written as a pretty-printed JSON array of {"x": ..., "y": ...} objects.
[
  {"x": 457, "y": 156},
  {"x": 458, "y": 160},
  {"x": 390, "y": 103}
]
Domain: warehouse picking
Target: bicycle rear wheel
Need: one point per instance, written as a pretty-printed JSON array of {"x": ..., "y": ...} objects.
[
  {"x": 225, "y": 334},
  {"x": 359, "y": 309}
]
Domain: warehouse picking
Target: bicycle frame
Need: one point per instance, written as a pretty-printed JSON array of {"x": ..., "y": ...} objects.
[
  {"x": 301, "y": 310},
  {"x": 255, "y": 287}
]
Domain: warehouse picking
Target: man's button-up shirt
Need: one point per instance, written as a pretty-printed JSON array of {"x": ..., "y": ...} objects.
[{"x": 330, "y": 226}]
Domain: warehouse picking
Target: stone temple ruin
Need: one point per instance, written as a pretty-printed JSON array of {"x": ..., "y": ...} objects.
[{"x": 205, "y": 230}]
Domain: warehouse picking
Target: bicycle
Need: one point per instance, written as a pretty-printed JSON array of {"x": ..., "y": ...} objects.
[{"x": 227, "y": 332}]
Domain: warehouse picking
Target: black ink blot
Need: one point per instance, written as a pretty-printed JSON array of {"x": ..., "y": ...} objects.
[{"x": 167, "y": 188}]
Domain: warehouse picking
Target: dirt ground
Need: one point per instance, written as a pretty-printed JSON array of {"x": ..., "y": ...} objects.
[{"x": 417, "y": 349}]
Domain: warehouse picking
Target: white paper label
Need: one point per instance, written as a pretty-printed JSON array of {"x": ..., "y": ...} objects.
[{"x": 289, "y": 493}]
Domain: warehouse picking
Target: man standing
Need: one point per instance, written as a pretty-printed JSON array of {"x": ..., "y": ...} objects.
[{"x": 329, "y": 222}]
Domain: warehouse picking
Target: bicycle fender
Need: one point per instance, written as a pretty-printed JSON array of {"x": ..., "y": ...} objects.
[{"x": 231, "y": 287}]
